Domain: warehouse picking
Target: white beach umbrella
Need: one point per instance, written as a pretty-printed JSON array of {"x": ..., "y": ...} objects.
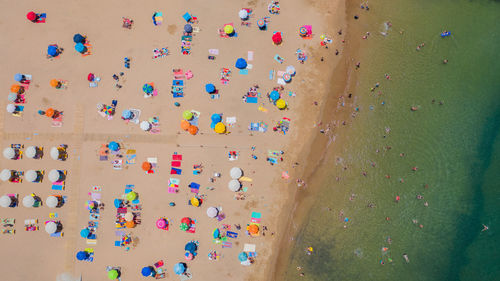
[
  {"x": 100, "y": 106},
  {"x": 5, "y": 201},
  {"x": 54, "y": 175},
  {"x": 290, "y": 70},
  {"x": 54, "y": 153},
  {"x": 11, "y": 108},
  {"x": 30, "y": 152},
  {"x": 52, "y": 201},
  {"x": 51, "y": 227},
  {"x": 145, "y": 126},
  {"x": 28, "y": 201},
  {"x": 212, "y": 212},
  {"x": 31, "y": 175},
  {"x": 9, "y": 153},
  {"x": 234, "y": 185},
  {"x": 129, "y": 216},
  {"x": 235, "y": 173},
  {"x": 243, "y": 14},
  {"x": 5, "y": 175}
]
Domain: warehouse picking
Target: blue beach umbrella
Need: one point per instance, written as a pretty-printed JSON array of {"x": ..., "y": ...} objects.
[
  {"x": 146, "y": 271},
  {"x": 127, "y": 114},
  {"x": 212, "y": 125},
  {"x": 216, "y": 118},
  {"x": 84, "y": 233},
  {"x": 261, "y": 24},
  {"x": 12, "y": 97},
  {"x": 114, "y": 146},
  {"x": 243, "y": 256},
  {"x": 191, "y": 247},
  {"x": 210, "y": 88},
  {"x": 78, "y": 38},
  {"x": 179, "y": 268},
  {"x": 82, "y": 255},
  {"x": 275, "y": 95},
  {"x": 52, "y": 51},
  {"x": 117, "y": 202},
  {"x": 18, "y": 77},
  {"x": 241, "y": 63},
  {"x": 188, "y": 28},
  {"x": 80, "y": 48},
  {"x": 148, "y": 89}
]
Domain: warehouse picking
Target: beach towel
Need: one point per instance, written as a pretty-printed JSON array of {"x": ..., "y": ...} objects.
[
  {"x": 231, "y": 234},
  {"x": 279, "y": 59},
  {"x": 177, "y": 157},
  {"x": 157, "y": 18},
  {"x": 57, "y": 122},
  {"x": 187, "y": 17},
  {"x": 251, "y": 100},
  {"x": 195, "y": 187},
  {"x": 243, "y": 71},
  {"x": 271, "y": 75},
  {"x": 214, "y": 52},
  {"x": 58, "y": 186},
  {"x": 250, "y": 56},
  {"x": 176, "y": 164},
  {"x": 175, "y": 171},
  {"x": 227, "y": 244}
]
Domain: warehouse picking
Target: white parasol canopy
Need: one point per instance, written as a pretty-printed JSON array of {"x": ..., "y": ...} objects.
[
  {"x": 212, "y": 212},
  {"x": 30, "y": 152},
  {"x": 52, "y": 201},
  {"x": 51, "y": 227},
  {"x": 5, "y": 175},
  {"x": 54, "y": 153},
  {"x": 28, "y": 201},
  {"x": 54, "y": 175},
  {"x": 11, "y": 108},
  {"x": 31, "y": 176},
  {"x": 243, "y": 14},
  {"x": 145, "y": 126},
  {"x": 129, "y": 216},
  {"x": 235, "y": 173},
  {"x": 5, "y": 201},
  {"x": 290, "y": 70},
  {"x": 9, "y": 153},
  {"x": 234, "y": 185}
]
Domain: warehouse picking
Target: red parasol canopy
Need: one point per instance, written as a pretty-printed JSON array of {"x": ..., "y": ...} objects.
[
  {"x": 31, "y": 16},
  {"x": 277, "y": 38}
]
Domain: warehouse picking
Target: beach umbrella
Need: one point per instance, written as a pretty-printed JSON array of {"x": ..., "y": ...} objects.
[
  {"x": 100, "y": 106},
  {"x": 243, "y": 256},
  {"x": 195, "y": 202},
  {"x": 179, "y": 268},
  {"x": 212, "y": 212},
  {"x": 253, "y": 229},
  {"x": 52, "y": 51},
  {"x": 82, "y": 255},
  {"x": 147, "y": 271},
  {"x": 281, "y": 104},
  {"x": 55, "y": 83},
  {"x": 28, "y": 201},
  {"x": 212, "y": 125},
  {"x": 5, "y": 201},
  {"x": 277, "y": 38},
  {"x": 234, "y": 185},
  {"x": 228, "y": 29},
  {"x": 113, "y": 145},
  {"x": 117, "y": 202},
  {"x": 18, "y": 77},
  {"x": 12, "y": 97},
  {"x": 303, "y": 31},
  {"x": 216, "y": 118},
  {"x": 161, "y": 223},
  {"x": 50, "y": 112},
  {"x": 145, "y": 126},
  {"x": 5, "y": 175},
  {"x": 84, "y": 233},
  {"x": 11, "y": 108},
  {"x": 146, "y": 166},
  {"x": 287, "y": 77},
  {"x": 55, "y": 175},
  {"x": 275, "y": 95},
  {"x": 90, "y": 77},
  {"x": 187, "y": 115},
  {"x": 31, "y": 16},
  {"x": 188, "y": 28},
  {"x": 235, "y": 173},
  {"x": 184, "y": 226},
  {"x": 148, "y": 89},
  {"x": 52, "y": 201},
  {"x": 9, "y": 153},
  {"x": 78, "y": 38},
  {"x": 210, "y": 88},
  {"x": 290, "y": 70},
  {"x": 130, "y": 224},
  {"x": 127, "y": 114},
  {"x": 193, "y": 130},
  {"x": 15, "y": 88},
  {"x": 129, "y": 216},
  {"x": 131, "y": 196},
  {"x": 186, "y": 220},
  {"x": 188, "y": 256},
  {"x": 216, "y": 233},
  {"x": 80, "y": 48},
  {"x": 51, "y": 227},
  {"x": 243, "y": 14},
  {"x": 31, "y": 176},
  {"x": 185, "y": 125},
  {"x": 220, "y": 128},
  {"x": 191, "y": 247},
  {"x": 113, "y": 274},
  {"x": 241, "y": 63},
  {"x": 30, "y": 152},
  {"x": 55, "y": 153},
  {"x": 261, "y": 23}
]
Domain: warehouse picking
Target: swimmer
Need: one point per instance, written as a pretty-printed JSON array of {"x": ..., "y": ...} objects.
[
  {"x": 405, "y": 256},
  {"x": 485, "y": 227},
  {"x": 414, "y": 108},
  {"x": 397, "y": 198},
  {"x": 445, "y": 61},
  {"x": 415, "y": 221},
  {"x": 414, "y": 168},
  {"x": 389, "y": 240},
  {"x": 419, "y": 197}
]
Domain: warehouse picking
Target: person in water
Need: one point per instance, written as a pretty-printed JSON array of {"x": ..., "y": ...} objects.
[
  {"x": 405, "y": 256},
  {"x": 485, "y": 227}
]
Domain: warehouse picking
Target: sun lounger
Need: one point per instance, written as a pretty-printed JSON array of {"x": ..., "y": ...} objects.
[
  {"x": 175, "y": 171},
  {"x": 279, "y": 59}
]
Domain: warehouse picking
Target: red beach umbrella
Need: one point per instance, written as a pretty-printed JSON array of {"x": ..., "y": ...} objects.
[
  {"x": 277, "y": 38},
  {"x": 31, "y": 16},
  {"x": 186, "y": 220},
  {"x": 91, "y": 77}
]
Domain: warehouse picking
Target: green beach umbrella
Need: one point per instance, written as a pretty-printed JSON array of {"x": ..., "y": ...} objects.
[
  {"x": 113, "y": 274},
  {"x": 131, "y": 196},
  {"x": 188, "y": 115},
  {"x": 184, "y": 227}
]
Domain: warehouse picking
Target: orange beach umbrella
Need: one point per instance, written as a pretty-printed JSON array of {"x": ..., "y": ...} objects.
[
  {"x": 49, "y": 112},
  {"x": 253, "y": 229},
  {"x": 54, "y": 83},
  {"x": 185, "y": 125},
  {"x": 146, "y": 166},
  {"x": 15, "y": 88},
  {"x": 193, "y": 130}
]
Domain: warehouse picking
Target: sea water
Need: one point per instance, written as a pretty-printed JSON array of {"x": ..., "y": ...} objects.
[{"x": 447, "y": 151}]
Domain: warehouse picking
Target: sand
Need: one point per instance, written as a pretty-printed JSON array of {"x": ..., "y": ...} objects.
[{"x": 30, "y": 253}]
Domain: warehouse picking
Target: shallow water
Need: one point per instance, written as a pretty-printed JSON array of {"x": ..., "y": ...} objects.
[{"x": 456, "y": 147}]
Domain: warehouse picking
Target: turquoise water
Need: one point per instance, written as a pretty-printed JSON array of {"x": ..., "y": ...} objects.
[{"x": 454, "y": 145}]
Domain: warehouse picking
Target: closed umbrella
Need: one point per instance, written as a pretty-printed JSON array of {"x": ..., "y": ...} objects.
[
  {"x": 5, "y": 201},
  {"x": 52, "y": 51},
  {"x": 188, "y": 28},
  {"x": 241, "y": 63},
  {"x": 212, "y": 212},
  {"x": 210, "y": 88},
  {"x": 243, "y": 256},
  {"x": 12, "y": 97},
  {"x": 5, "y": 175},
  {"x": 52, "y": 201},
  {"x": 31, "y": 176},
  {"x": 9, "y": 153},
  {"x": 114, "y": 146},
  {"x": 113, "y": 274},
  {"x": 235, "y": 173},
  {"x": 82, "y": 255},
  {"x": 179, "y": 268},
  {"x": 30, "y": 152},
  {"x": 55, "y": 175},
  {"x": 220, "y": 128},
  {"x": 234, "y": 185},
  {"x": 78, "y": 38},
  {"x": 80, "y": 48},
  {"x": 11, "y": 108},
  {"x": 51, "y": 227},
  {"x": 28, "y": 201},
  {"x": 145, "y": 126},
  {"x": 55, "y": 153},
  {"x": 275, "y": 95},
  {"x": 243, "y": 14},
  {"x": 228, "y": 29},
  {"x": 187, "y": 115},
  {"x": 129, "y": 216}
]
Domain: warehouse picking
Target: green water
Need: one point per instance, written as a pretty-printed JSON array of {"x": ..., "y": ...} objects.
[{"x": 456, "y": 147}]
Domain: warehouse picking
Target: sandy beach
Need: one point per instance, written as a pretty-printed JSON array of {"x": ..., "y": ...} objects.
[{"x": 84, "y": 131}]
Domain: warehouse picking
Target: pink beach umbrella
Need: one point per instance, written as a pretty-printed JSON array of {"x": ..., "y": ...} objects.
[{"x": 161, "y": 223}]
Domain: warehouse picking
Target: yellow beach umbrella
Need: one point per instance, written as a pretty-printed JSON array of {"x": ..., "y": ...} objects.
[
  {"x": 220, "y": 128},
  {"x": 228, "y": 29},
  {"x": 281, "y": 104},
  {"x": 195, "y": 202}
]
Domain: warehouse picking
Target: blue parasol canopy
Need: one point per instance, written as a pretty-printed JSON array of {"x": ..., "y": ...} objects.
[
  {"x": 84, "y": 233},
  {"x": 12, "y": 97},
  {"x": 188, "y": 28},
  {"x": 191, "y": 247},
  {"x": 210, "y": 88},
  {"x": 79, "y": 47},
  {"x": 117, "y": 203},
  {"x": 146, "y": 271},
  {"x": 78, "y": 38},
  {"x": 241, "y": 63},
  {"x": 127, "y": 114},
  {"x": 52, "y": 51},
  {"x": 216, "y": 118},
  {"x": 18, "y": 77},
  {"x": 275, "y": 95},
  {"x": 82, "y": 255},
  {"x": 114, "y": 146},
  {"x": 243, "y": 256},
  {"x": 179, "y": 268},
  {"x": 148, "y": 89}
]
